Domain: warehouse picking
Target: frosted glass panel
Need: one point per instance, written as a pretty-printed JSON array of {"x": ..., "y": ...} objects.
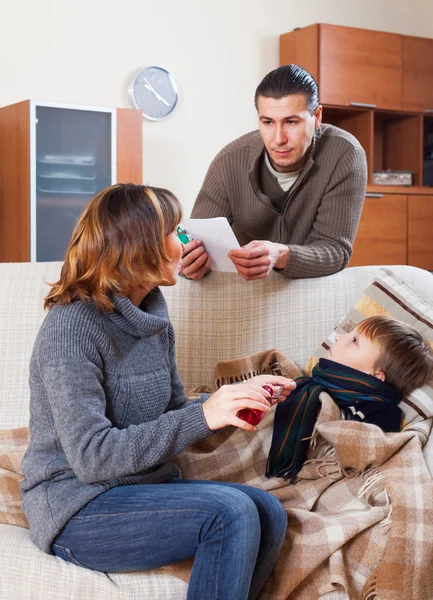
[{"x": 73, "y": 163}]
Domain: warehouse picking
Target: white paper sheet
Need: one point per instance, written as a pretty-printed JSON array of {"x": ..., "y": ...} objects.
[{"x": 218, "y": 238}]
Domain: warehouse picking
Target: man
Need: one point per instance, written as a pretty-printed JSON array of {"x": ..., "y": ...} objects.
[{"x": 292, "y": 191}]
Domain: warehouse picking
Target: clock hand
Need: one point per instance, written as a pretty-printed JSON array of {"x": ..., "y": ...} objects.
[{"x": 149, "y": 87}]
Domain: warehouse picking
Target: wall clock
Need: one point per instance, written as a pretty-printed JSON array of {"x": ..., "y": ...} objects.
[{"x": 154, "y": 91}]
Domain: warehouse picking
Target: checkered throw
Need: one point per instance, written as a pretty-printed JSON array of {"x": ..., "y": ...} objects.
[
  {"x": 13, "y": 444},
  {"x": 360, "y": 513}
]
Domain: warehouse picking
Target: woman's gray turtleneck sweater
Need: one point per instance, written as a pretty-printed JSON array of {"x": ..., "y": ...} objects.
[{"x": 107, "y": 408}]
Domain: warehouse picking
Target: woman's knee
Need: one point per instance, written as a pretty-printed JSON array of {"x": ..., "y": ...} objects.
[
  {"x": 276, "y": 510},
  {"x": 266, "y": 502},
  {"x": 271, "y": 511},
  {"x": 232, "y": 506}
]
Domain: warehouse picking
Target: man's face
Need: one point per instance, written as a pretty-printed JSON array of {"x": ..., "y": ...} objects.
[
  {"x": 287, "y": 128},
  {"x": 357, "y": 351}
]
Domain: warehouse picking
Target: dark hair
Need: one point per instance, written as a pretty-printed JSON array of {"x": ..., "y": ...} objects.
[
  {"x": 405, "y": 356},
  {"x": 286, "y": 81},
  {"x": 118, "y": 244}
]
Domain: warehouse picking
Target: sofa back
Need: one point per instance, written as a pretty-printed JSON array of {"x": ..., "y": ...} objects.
[{"x": 218, "y": 318}]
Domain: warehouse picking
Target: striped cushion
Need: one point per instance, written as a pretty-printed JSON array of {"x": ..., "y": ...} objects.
[{"x": 389, "y": 296}]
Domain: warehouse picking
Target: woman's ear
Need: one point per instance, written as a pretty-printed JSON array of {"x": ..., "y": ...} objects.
[{"x": 380, "y": 375}]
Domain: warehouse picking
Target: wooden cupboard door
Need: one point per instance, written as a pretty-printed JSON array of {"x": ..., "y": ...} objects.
[
  {"x": 301, "y": 47},
  {"x": 417, "y": 81},
  {"x": 361, "y": 66},
  {"x": 129, "y": 146},
  {"x": 420, "y": 232},
  {"x": 382, "y": 234}
]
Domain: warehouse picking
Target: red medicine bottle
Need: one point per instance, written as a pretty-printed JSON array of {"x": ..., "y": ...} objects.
[{"x": 253, "y": 416}]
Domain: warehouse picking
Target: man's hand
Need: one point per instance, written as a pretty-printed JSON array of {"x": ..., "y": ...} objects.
[
  {"x": 258, "y": 258},
  {"x": 195, "y": 260}
]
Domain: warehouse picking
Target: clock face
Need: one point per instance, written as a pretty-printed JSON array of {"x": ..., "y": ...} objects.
[{"x": 154, "y": 91}]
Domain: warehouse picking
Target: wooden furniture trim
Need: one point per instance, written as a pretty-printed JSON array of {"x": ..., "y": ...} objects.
[
  {"x": 420, "y": 238},
  {"x": 422, "y": 190},
  {"x": 129, "y": 143},
  {"x": 15, "y": 182}
]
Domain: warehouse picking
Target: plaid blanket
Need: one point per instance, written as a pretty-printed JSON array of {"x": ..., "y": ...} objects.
[
  {"x": 13, "y": 444},
  {"x": 359, "y": 513}
]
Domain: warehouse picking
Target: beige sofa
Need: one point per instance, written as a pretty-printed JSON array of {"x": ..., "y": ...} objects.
[{"x": 220, "y": 317}]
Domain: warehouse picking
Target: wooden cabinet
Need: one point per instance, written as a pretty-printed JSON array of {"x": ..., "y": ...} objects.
[
  {"x": 382, "y": 233},
  {"x": 398, "y": 143},
  {"x": 376, "y": 85},
  {"x": 420, "y": 231},
  {"x": 417, "y": 80},
  {"x": 395, "y": 229},
  {"x": 54, "y": 159},
  {"x": 357, "y": 121},
  {"x": 391, "y": 140},
  {"x": 379, "y": 87},
  {"x": 361, "y": 66},
  {"x": 352, "y": 66}
]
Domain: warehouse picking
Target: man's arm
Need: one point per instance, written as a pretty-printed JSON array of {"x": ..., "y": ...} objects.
[
  {"x": 211, "y": 202},
  {"x": 328, "y": 247}
]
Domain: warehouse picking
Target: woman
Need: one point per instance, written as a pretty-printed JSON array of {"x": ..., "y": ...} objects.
[{"x": 108, "y": 412}]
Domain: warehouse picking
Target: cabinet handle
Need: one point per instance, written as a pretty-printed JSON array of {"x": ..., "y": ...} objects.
[
  {"x": 373, "y": 195},
  {"x": 362, "y": 104}
]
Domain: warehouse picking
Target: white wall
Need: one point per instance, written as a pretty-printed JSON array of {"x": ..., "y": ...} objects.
[{"x": 85, "y": 52}]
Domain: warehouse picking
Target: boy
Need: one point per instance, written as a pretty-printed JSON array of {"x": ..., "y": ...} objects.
[{"x": 366, "y": 372}]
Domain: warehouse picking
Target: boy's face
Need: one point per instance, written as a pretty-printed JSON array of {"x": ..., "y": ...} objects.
[{"x": 356, "y": 351}]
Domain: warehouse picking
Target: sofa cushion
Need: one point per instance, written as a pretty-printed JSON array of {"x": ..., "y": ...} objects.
[{"x": 389, "y": 295}]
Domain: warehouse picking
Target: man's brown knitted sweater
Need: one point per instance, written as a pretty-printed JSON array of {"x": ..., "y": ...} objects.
[{"x": 319, "y": 216}]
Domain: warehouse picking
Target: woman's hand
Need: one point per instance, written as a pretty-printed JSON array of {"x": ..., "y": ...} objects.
[
  {"x": 275, "y": 381},
  {"x": 195, "y": 260},
  {"x": 222, "y": 407}
]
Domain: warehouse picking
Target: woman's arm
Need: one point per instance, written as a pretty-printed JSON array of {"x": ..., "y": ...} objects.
[{"x": 94, "y": 448}]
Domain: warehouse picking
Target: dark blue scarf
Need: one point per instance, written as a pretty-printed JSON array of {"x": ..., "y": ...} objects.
[{"x": 361, "y": 397}]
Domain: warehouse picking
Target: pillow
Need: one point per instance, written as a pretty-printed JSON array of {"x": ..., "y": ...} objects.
[
  {"x": 13, "y": 444},
  {"x": 389, "y": 296}
]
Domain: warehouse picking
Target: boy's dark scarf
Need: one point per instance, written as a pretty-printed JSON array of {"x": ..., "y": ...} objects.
[{"x": 361, "y": 397}]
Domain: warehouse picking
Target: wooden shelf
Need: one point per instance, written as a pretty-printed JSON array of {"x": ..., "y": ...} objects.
[
  {"x": 357, "y": 121},
  {"x": 400, "y": 189},
  {"x": 398, "y": 143}
]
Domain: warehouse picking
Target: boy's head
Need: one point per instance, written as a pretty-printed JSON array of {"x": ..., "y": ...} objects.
[{"x": 388, "y": 349}]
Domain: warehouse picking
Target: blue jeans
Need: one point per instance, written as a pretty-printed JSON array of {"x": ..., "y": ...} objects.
[{"x": 234, "y": 531}]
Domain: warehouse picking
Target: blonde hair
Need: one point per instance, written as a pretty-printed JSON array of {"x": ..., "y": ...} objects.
[
  {"x": 117, "y": 245},
  {"x": 406, "y": 358}
]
